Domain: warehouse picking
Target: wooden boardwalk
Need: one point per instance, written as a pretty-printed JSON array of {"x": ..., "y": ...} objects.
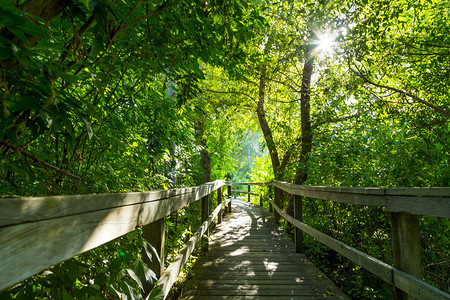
[{"x": 250, "y": 258}]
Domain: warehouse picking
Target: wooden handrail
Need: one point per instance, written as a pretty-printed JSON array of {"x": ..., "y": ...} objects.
[
  {"x": 404, "y": 204},
  {"x": 433, "y": 202},
  {"x": 37, "y": 233},
  {"x": 410, "y": 284}
]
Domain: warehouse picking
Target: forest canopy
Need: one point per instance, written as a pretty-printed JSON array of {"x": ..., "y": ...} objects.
[{"x": 119, "y": 96}]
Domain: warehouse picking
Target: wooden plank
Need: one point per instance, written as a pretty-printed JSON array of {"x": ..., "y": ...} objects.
[
  {"x": 219, "y": 201},
  {"x": 247, "y": 193},
  {"x": 414, "y": 191},
  {"x": 298, "y": 214},
  {"x": 169, "y": 276},
  {"x": 204, "y": 217},
  {"x": 31, "y": 247},
  {"x": 417, "y": 288},
  {"x": 154, "y": 234},
  {"x": 22, "y": 210},
  {"x": 277, "y": 199},
  {"x": 258, "y": 297},
  {"x": 287, "y": 280},
  {"x": 392, "y": 199},
  {"x": 423, "y": 206},
  {"x": 249, "y": 255},
  {"x": 250, "y": 183},
  {"x": 251, "y": 290},
  {"x": 406, "y": 247}
]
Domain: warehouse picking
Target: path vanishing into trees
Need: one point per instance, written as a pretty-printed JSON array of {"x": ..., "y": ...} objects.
[{"x": 249, "y": 257}]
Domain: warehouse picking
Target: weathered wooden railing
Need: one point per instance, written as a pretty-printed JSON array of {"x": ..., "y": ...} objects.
[
  {"x": 37, "y": 233},
  {"x": 405, "y": 206}
]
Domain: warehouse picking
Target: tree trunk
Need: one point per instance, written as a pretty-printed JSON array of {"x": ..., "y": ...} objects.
[
  {"x": 206, "y": 160},
  {"x": 267, "y": 132},
  {"x": 302, "y": 169},
  {"x": 46, "y": 10}
]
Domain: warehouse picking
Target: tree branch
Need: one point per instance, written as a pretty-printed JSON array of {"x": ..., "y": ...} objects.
[
  {"x": 231, "y": 92},
  {"x": 341, "y": 119},
  {"x": 143, "y": 17},
  {"x": 44, "y": 164},
  {"x": 402, "y": 92}
]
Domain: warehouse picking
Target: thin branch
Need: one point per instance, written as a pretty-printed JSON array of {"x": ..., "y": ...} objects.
[
  {"x": 402, "y": 92},
  {"x": 231, "y": 92},
  {"x": 341, "y": 119},
  {"x": 143, "y": 17},
  {"x": 134, "y": 8},
  {"x": 286, "y": 84},
  {"x": 44, "y": 164}
]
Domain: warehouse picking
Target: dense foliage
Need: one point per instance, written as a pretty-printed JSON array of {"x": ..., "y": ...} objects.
[{"x": 116, "y": 96}]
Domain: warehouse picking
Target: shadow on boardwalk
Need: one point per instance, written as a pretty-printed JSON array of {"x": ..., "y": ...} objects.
[{"x": 250, "y": 258}]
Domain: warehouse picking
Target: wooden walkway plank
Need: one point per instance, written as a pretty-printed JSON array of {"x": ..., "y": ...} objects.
[{"x": 250, "y": 258}]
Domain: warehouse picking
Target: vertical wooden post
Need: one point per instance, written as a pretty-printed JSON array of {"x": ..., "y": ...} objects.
[
  {"x": 298, "y": 214},
  {"x": 229, "y": 194},
  {"x": 260, "y": 201},
  {"x": 219, "y": 201},
  {"x": 205, "y": 214},
  {"x": 154, "y": 234},
  {"x": 270, "y": 197},
  {"x": 248, "y": 189},
  {"x": 406, "y": 248},
  {"x": 277, "y": 202}
]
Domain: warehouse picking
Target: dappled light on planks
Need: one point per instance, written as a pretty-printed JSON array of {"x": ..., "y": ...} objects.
[{"x": 250, "y": 258}]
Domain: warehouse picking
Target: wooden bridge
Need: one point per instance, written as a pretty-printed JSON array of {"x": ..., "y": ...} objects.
[{"x": 248, "y": 259}]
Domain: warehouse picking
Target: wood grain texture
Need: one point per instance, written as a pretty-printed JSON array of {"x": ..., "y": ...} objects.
[
  {"x": 170, "y": 275},
  {"x": 420, "y": 201},
  {"x": 406, "y": 247},
  {"x": 31, "y": 209},
  {"x": 250, "y": 258},
  {"x": 410, "y": 284},
  {"x": 62, "y": 230},
  {"x": 154, "y": 234}
]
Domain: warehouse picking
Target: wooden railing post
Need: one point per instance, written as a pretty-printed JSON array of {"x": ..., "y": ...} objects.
[
  {"x": 205, "y": 215},
  {"x": 406, "y": 248},
  {"x": 298, "y": 214},
  {"x": 270, "y": 197},
  {"x": 231, "y": 196},
  {"x": 219, "y": 201},
  {"x": 248, "y": 189},
  {"x": 277, "y": 201},
  {"x": 154, "y": 234},
  {"x": 261, "y": 201}
]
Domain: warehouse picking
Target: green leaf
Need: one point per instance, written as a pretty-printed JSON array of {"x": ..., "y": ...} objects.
[
  {"x": 6, "y": 53},
  {"x": 19, "y": 33},
  {"x": 156, "y": 294},
  {"x": 33, "y": 29},
  {"x": 135, "y": 278},
  {"x": 151, "y": 252},
  {"x": 66, "y": 295},
  {"x": 89, "y": 130},
  {"x": 92, "y": 110},
  {"x": 149, "y": 274},
  {"x": 96, "y": 47}
]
